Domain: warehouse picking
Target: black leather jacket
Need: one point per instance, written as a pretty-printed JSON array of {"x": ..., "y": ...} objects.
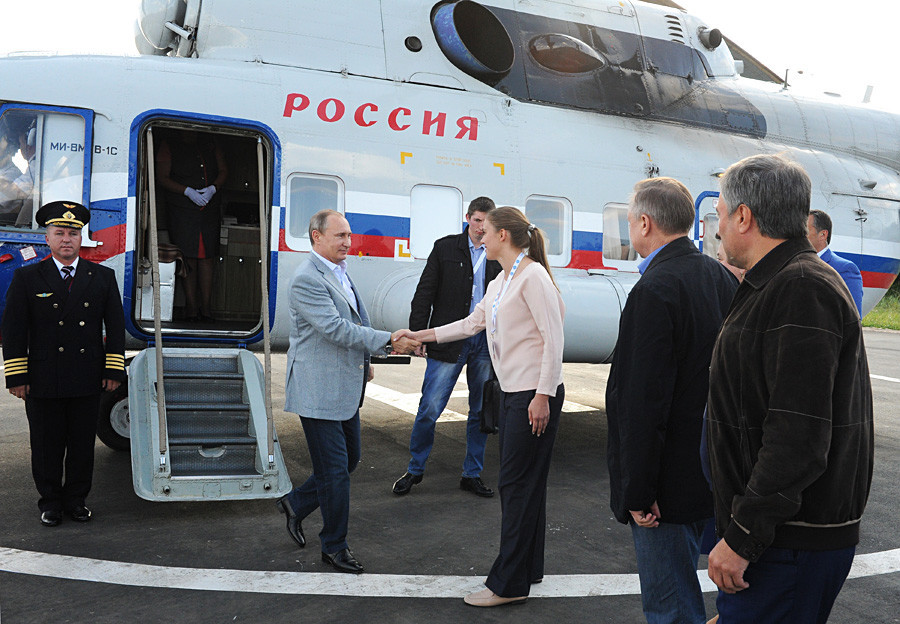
[{"x": 790, "y": 409}]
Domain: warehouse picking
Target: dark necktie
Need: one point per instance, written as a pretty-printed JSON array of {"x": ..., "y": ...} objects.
[{"x": 67, "y": 277}]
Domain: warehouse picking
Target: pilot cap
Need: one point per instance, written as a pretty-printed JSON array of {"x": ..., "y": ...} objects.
[{"x": 63, "y": 214}]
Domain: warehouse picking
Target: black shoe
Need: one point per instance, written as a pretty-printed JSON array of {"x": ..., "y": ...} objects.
[
  {"x": 293, "y": 522},
  {"x": 51, "y": 518},
  {"x": 404, "y": 484},
  {"x": 476, "y": 486},
  {"x": 343, "y": 561},
  {"x": 80, "y": 513}
]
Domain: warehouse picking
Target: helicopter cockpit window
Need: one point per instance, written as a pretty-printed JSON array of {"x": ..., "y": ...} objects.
[{"x": 41, "y": 160}]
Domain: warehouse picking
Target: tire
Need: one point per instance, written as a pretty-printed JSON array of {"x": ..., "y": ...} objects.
[{"x": 113, "y": 422}]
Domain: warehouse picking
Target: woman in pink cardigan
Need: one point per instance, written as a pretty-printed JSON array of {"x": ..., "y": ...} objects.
[{"x": 522, "y": 313}]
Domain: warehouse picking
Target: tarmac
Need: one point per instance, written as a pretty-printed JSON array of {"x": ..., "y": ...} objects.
[{"x": 216, "y": 561}]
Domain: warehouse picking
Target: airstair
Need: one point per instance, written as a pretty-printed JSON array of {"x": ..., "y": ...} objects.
[
  {"x": 201, "y": 418},
  {"x": 211, "y": 441}
]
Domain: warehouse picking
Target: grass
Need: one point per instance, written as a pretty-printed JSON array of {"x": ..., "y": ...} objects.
[{"x": 886, "y": 314}]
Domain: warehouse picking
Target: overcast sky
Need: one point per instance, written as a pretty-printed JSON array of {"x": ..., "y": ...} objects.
[{"x": 839, "y": 47}]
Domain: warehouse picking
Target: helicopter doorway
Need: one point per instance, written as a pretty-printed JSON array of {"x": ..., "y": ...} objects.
[{"x": 207, "y": 203}]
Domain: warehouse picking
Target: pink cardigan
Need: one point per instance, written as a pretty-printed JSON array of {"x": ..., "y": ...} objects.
[{"x": 527, "y": 346}]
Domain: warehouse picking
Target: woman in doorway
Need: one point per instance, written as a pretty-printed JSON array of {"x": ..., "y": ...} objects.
[
  {"x": 191, "y": 168},
  {"x": 522, "y": 313}
]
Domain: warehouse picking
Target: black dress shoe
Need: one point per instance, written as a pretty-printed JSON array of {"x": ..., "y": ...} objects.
[
  {"x": 476, "y": 486},
  {"x": 51, "y": 518},
  {"x": 80, "y": 513},
  {"x": 404, "y": 484},
  {"x": 343, "y": 561},
  {"x": 293, "y": 522}
]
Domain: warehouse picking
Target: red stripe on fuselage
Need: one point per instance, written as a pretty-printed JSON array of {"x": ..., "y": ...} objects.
[
  {"x": 584, "y": 259},
  {"x": 361, "y": 244},
  {"x": 112, "y": 241},
  {"x": 872, "y": 279}
]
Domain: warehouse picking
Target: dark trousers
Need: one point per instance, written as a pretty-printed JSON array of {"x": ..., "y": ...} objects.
[
  {"x": 524, "y": 465},
  {"x": 334, "y": 449},
  {"x": 62, "y": 433},
  {"x": 789, "y": 586}
]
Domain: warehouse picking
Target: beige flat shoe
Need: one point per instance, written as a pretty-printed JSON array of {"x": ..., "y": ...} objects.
[{"x": 487, "y": 598}]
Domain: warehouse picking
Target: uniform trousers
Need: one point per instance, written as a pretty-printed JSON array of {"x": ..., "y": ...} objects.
[
  {"x": 62, "y": 432},
  {"x": 524, "y": 466}
]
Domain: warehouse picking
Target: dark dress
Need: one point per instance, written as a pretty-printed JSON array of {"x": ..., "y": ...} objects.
[{"x": 194, "y": 229}]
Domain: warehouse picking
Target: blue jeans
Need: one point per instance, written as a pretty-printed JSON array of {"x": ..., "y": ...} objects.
[
  {"x": 667, "y": 566},
  {"x": 334, "y": 449},
  {"x": 796, "y": 586},
  {"x": 440, "y": 377}
]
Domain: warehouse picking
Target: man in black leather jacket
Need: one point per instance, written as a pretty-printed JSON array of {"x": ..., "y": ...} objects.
[{"x": 790, "y": 409}]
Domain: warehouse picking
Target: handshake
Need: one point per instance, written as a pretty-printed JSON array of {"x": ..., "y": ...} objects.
[
  {"x": 403, "y": 342},
  {"x": 202, "y": 196}
]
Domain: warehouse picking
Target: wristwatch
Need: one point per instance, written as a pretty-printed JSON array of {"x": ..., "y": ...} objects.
[{"x": 389, "y": 347}]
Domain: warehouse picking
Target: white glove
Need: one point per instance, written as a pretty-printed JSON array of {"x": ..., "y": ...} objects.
[
  {"x": 196, "y": 196},
  {"x": 208, "y": 192}
]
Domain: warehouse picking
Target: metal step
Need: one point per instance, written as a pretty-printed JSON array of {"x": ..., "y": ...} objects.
[
  {"x": 207, "y": 376},
  {"x": 207, "y": 422},
  {"x": 201, "y": 391},
  {"x": 212, "y": 441},
  {"x": 199, "y": 460}
]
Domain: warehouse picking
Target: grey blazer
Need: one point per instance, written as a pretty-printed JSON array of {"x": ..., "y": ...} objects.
[{"x": 329, "y": 348}]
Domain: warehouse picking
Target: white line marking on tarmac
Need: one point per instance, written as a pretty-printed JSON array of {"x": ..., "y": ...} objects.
[
  {"x": 333, "y": 584},
  {"x": 409, "y": 403},
  {"x": 883, "y": 378}
]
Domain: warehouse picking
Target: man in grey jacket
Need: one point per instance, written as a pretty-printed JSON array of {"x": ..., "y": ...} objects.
[{"x": 327, "y": 366}]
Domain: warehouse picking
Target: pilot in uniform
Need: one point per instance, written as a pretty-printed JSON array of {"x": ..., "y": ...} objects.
[{"x": 56, "y": 358}]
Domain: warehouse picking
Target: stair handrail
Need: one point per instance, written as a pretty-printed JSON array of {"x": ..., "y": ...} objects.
[
  {"x": 264, "y": 284},
  {"x": 157, "y": 307}
]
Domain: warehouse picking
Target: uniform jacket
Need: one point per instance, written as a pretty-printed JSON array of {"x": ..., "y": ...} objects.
[
  {"x": 790, "y": 409},
  {"x": 849, "y": 272},
  {"x": 53, "y": 337},
  {"x": 330, "y": 343},
  {"x": 657, "y": 386},
  {"x": 445, "y": 290}
]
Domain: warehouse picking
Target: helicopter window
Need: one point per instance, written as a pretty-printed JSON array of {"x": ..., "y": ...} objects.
[
  {"x": 879, "y": 219},
  {"x": 710, "y": 228},
  {"x": 41, "y": 160},
  {"x": 554, "y": 216},
  {"x": 307, "y": 195},
  {"x": 434, "y": 211},
  {"x": 616, "y": 239}
]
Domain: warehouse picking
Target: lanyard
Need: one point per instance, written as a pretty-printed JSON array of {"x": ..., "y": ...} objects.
[{"x": 503, "y": 292}]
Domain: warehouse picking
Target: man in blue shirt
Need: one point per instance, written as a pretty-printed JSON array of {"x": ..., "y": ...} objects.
[
  {"x": 819, "y": 234},
  {"x": 452, "y": 283},
  {"x": 655, "y": 396}
]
